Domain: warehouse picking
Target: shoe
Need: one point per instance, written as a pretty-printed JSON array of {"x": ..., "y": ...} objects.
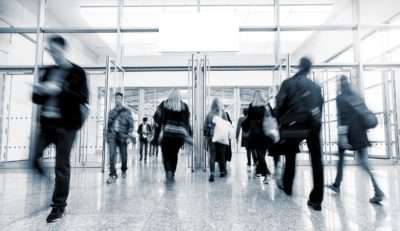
[
  {"x": 111, "y": 179},
  {"x": 280, "y": 186},
  {"x": 314, "y": 206},
  {"x": 211, "y": 179},
  {"x": 169, "y": 176},
  {"x": 266, "y": 180},
  {"x": 55, "y": 214},
  {"x": 377, "y": 198},
  {"x": 333, "y": 188},
  {"x": 223, "y": 174},
  {"x": 123, "y": 175},
  {"x": 258, "y": 175},
  {"x": 249, "y": 168}
]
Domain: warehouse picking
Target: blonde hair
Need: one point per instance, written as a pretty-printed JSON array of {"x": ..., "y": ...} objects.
[
  {"x": 259, "y": 99},
  {"x": 174, "y": 101},
  {"x": 216, "y": 105}
]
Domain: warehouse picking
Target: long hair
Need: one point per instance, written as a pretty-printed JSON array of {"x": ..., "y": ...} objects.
[
  {"x": 174, "y": 101},
  {"x": 216, "y": 105},
  {"x": 259, "y": 99}
]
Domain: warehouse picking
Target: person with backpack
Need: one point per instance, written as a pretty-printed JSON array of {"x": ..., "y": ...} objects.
[
  {"x": 353, "y": 125},
  {"x": 299, "y": 112},
  {"x": 244, "y": 140},
  {"x": 119, "y": 129}
]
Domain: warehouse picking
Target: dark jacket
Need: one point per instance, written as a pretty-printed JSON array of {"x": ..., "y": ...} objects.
[
  {"x": 140, "y": 132},
  {"x": 289, "y": 101},
  {"x": 125, "y": 120},
  {"x": 177, "y": 120},
  {"x": 74, "y": 94},
  {"x": 291, "y": 107},
  {"x": 253, "y": 125},
  {"x": 245, "y": 135},
  {"x": 347, "y": 116}
]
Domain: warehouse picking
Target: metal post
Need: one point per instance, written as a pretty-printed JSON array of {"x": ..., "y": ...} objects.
[
  {"x": 386, "y": 114},
  {"x": 396, "y": 100},
  {"x": 38, "y": 61},
  {"x": 103, "y": 157}
]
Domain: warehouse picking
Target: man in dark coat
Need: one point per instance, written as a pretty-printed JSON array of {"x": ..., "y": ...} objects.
[
  {"x": 144, "y": 131},
  {"x": 62, "y": 92},
  {"x": 299, "y": 113}
]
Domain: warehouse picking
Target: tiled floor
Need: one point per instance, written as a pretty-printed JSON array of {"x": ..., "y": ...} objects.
[{"x": 240, "y": 202}]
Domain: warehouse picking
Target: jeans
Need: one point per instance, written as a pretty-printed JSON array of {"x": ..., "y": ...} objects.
[
  {"x": 217, "y": 150},
  {"x": 362, "y": 157},
  {"x": 143, "y": 145},
  {"x": 314, "y": 146},
  {"x": 63, "y": 139},
  {"x": 170, "y": 148},
  {"x": 122, "y": 145}
]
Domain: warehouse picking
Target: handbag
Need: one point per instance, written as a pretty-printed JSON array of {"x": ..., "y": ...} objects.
[
  {"x": 270, "y": 125},
  {"x": 368, "y": 118},
  {"x": 223, "y": 131}
]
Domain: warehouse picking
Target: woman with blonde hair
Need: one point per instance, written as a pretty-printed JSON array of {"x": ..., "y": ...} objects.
[
  {"x": 217, "y": 150},
  {"x": 172, "y": 129},
  {"x": 257, "y": 140}
]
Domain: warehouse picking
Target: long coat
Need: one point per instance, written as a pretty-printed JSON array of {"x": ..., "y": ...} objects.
[{"x": 347, "y": 116}]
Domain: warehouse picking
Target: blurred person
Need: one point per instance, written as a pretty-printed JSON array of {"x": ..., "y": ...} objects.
[
  {"x": 352, "y": 136},
  {"x": 144, "y": 131},
  {"x": 154, "y": 144},
  {"x": 62, "y": 93},
  {"x": 228, "y": 148},
  {"x": 217, "y": 150},
  {"x": 258, "y": 141},
  {"x": 172, "y": 130},
  {"x": 119, "y": 131},
  {"x": 299, "y": 112},
  {"x": 244, "y": 140}
]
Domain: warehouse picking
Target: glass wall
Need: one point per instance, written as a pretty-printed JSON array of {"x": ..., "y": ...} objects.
[{"x": 270, "y": 34}]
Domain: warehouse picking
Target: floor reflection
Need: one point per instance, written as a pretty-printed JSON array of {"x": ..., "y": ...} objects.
[{"x": 144, "y": 201}]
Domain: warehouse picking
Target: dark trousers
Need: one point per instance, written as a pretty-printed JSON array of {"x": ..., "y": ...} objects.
[
  {"x": 170, "y": 148},
  {"x": 144, "y": 146},
  {"x": 314, "y": 146},
  {"x": 250, "y": 154},
  {"x": 154, "y": 149},
  {"x": 217, "y": 152},
  {"x": 261, "y": 166},
  {"x": 362, "y": 158},
  {"x": 122, "y": 145},
  {"x": 63, "y": 139}
]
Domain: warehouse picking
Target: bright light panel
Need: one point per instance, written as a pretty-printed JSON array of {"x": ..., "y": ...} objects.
[{"x": 199, "y": 32}]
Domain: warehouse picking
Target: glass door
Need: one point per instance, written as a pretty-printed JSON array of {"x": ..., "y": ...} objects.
[{"x": 16, "y": 116}]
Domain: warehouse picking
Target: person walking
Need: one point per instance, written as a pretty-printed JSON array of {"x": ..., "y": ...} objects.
[
  {"x": 144, "y": 131},
  {"x": 299, "y": 112},
  {"x": 244, "y": 140},
  {"x": 62, "y": 92},
  {"x": 172, "y": 130},
  {"x": 352, "y": 136},
  {"x": 217, "y": 150},
  {"x": 119, "y": 130},
  {"x": 258, "y": 141}
]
